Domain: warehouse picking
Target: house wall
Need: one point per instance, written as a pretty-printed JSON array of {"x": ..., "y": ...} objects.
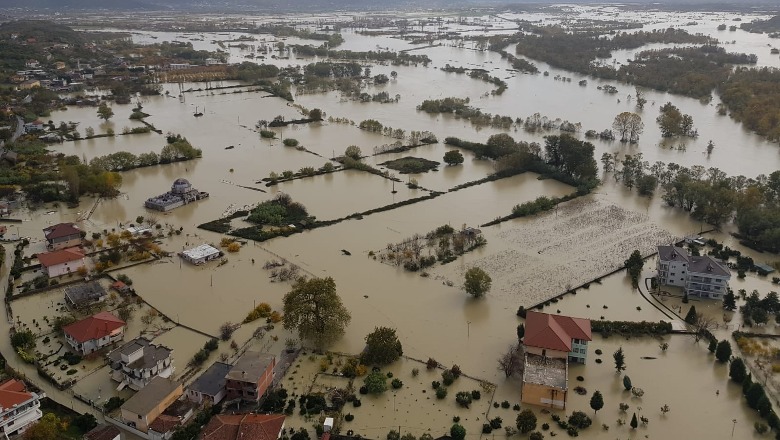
[
  {"x": 96, "y": 344},
  {"x": 706, "y": 285},
  {"x": 142, "y": 421},
  {"x": 579, "y": 351},
  {"x": 547, "y": 352},
  {"x": 543, "y": 395},
  {"x": 17, "y": 420},
  {"x": 64, "y": 268},
  {"x": 65, "y": 242},
  {"x": 672, "y": 272}
]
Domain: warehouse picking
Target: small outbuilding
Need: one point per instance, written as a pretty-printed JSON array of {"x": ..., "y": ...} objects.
[{"x": 201, "y": 254}]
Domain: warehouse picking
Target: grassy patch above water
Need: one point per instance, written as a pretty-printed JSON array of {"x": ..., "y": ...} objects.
[{"x": 411, "y": 165}]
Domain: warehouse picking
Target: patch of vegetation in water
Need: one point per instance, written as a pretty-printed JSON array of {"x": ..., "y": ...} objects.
[{"x": 411, "y": 165}]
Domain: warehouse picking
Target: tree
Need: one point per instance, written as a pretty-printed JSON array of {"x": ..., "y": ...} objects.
[
  {"x": 597, "y": 401},
  {"x": 520, "y": 332},
  {"x": 665, "y": 409},
  {"x": 453, "y": 157},
  {"x": 457, "y": 432},
  {"x": 629, "y": 125},
  {"x": 511, "y": 362},
  {"x": 353, "y": 152},
  {"x": 382, "y": 347},
  {"x": 620, "y": 360},
  {"x": 635, "y": 127},
  {"x": 476, "y": 282},
  {"x": 634, "y": 266},
  {"x": 627, "y": 383},
  {"x": 104, "y": 112},
  {"x": 712, "y": 346},
  {"x": 737, "y": 370},
  {"x": 634, "y": 422},
  {"x": 730, "y": 300},
  {"x": 536, "y": 435},
  {"x": 315, "y": 114},
  {"x": 702, "y": 327},
  {"x": 526, "y": 421},
  {"x": 314, "y": 308},
  {"x": 723, "y": 352},
  {"x": 85, "y": 422},
  {"x": 376, "y": 382},
  {"x": 47, "y": 428},
  {"x": 690, "y": 317}
]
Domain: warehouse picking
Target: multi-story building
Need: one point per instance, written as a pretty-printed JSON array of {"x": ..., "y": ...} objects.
[
  {"x": 136, "y": 363},
  {"x": 95, "y": 332},
  {"x": 19, "y": 408},
  {"x": 251, "y": 376},
  {"x": 551, "y": 342},
  {"x": 701, "y": 276},
  {"x": 62, "y": 235},
  {"x": 141, "y": 410}
]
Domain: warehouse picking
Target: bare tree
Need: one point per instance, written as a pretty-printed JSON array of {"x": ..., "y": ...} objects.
[
  {"x": 702, "y": 327},
  {"x": 512, "y": 361}
]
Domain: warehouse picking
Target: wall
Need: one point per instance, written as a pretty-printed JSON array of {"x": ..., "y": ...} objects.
[{"x": 542, "y": 395}]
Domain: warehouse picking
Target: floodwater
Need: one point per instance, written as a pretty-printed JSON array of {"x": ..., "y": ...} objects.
[{"x": 529, "y": 259}]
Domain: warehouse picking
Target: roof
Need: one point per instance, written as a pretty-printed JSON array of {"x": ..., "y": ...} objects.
[
  {"x": 164, "y": 423},
  {"x": 250, "y": 366},
  {"x": 13, "y": 392},
  {"x": 708, "y": 265},
  {"x": 545, "y": 371},
  {"x": 61, "y": 230},
  {"x": 88, "y": 292},
  {"x": 151, "y": 353},
  {"x": 765, "y": 267},
  {"x": 201, "y": 251},
  {"x": 95, "y": 327},
  {"x": 666, "y": 253},
  {"x": 103, "y": 432},
  {"x": 151, "y": 395},
  {"x": 243, "y": 426},
  {"x": 554, "y": 332},
  {"x": 49, "y": 259},
  {"x": 212, "y": 380},
  {"x": 119, "y": 285},
  {"x": 181, "y": 181}
]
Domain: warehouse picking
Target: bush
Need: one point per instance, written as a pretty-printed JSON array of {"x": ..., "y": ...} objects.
[
  {"x": 447, "y": 377},
  {"x": 486, "y": 428},
  {"x": 113, "y": 403},
  {"x": 349, "y": 417},
  {"x": 476, "y": 395},
  {"x": 463, "y": 398},
  {"x": 505, "y": 404},
  {"x": 356, "y": 403},
  {"x": 435, "y": 384},
  {"x": 396, "y": 384},
  {"x": 579, "y": 420},
  {"x": 441, "y": 393},
  {"x": 290, "y": 142}
]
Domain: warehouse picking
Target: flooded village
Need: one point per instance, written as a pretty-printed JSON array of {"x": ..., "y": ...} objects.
[{"x": 413, "y": 227}]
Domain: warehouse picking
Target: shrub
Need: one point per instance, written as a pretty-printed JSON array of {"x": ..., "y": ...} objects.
[
  {"x": 447, "y": 377},
  {"x": 289, "y": 142},
  {"x": 396, "y": 384},
  {"x": 349, "y": 417},
  {"x": 435, "y": 384},
  {"x": 579, "y": 420},
  {"x": 476, "y": 395},
  {"x": 463, "y": 398},
  {"x": 441, "y": 393},
  {"x": 505, "y": 404},
  {"x": 486, "y": 428},
  {"x": 356, "y": 403},
  {"x": 431, "y": 364}
]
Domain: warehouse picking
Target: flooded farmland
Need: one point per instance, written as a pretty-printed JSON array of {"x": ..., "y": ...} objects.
[{"x": 530, "y": 260}]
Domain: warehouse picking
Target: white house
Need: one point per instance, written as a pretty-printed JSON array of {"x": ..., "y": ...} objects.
[
  {"x": 19, "y": 408},
  {"x": 701, "y": 276},
  {"x": 95, "y": 332},
  {"x": 61, "y": 262},
  {"x": 136, "y": 363},
  {"x": 34, "y": 126},
  {"x": 201, "y": 254}
]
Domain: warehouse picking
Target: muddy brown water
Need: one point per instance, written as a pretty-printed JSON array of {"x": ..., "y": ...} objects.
[{"x": 529, "y": 259}]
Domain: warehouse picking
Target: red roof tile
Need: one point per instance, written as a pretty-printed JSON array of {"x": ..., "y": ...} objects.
[
  {"x": 554, "y": 332},
  {"x": 54, "y": 258},
  {"x": 12, "y": 392},
  {"x": 103, "y": 432},
  {"x": 164, "y": 423},
  {"x": 244, "y": 427},
  {"x": 61, "y": 230},
  {"x": 94, "y": 327}
]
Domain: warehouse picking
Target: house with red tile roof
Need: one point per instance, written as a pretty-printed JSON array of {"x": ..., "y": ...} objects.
[
  {"x": 62, "y": 235},
  {"x": 61, "y": 262},
  {"x": 243, "y": 427},
  {"x": 95, "y": 332},
  {"x": 19, "y": 408},
  {"x": 103, "y": 432},
  {"x": 557, "y": 336},
  {"x": 551, "y": 342}
]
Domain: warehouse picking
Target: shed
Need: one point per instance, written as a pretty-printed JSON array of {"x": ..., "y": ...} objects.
[{"x": 763, "y": 269}]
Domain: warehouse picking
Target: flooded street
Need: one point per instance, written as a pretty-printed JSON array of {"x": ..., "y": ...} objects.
[{"x": 530, "y": 260}]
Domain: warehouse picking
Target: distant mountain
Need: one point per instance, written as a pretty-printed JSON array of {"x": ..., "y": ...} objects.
[{"x": 318, "y": 5}]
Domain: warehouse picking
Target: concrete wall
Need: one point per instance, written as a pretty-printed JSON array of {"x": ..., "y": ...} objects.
[
  {"x": 542, "y": 395},
  {"x": 547, "y": 352}
]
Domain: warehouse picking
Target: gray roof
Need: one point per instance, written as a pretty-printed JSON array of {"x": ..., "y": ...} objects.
[
  {"x": 251, "y": 366},
  {"x": 152, "y": 353},
  {"x": 88, "y": 292},
  {"x": 708, "y": 266},
  {"x": 150, "y": 396},
  {"x": 212, "y": 380},
  {"x": 666, "y": 253}
]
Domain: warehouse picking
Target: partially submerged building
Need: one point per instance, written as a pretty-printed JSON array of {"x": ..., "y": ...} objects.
[
  {"x": 86, "y": 294},
  {"x": 210, "y": 386},
  {"x": 550, "y": 343},
  {"x": 243, "y": 427},
  {"x": 251, "y": 376},
  {"x": 62, "y": 235},
  {"x": 62, "y": 262},
  {"x": 141, "y": 410},
  {"x": 181, "y": 193},
  {"x": 201, "y": 254},
  {"x": 139, "y": 361},
  {"x": 95, "y": 332},
  {"x": 701, "y": 276}
]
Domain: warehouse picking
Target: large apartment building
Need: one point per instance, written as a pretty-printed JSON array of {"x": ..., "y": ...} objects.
[{"x": 700, "y": 276}]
